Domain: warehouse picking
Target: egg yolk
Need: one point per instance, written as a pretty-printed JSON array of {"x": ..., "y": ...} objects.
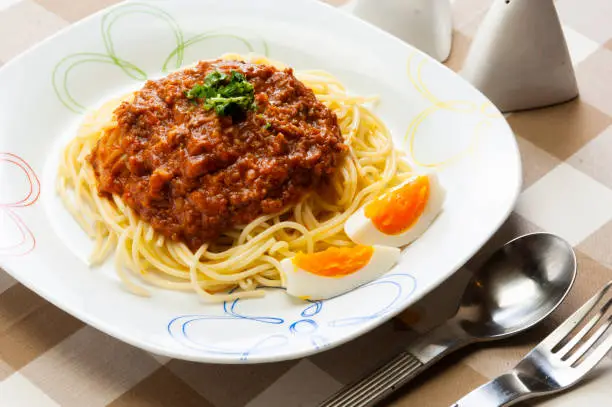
[
  {"x": 335, "y": 261},
  {"x": 399, "y": 209}
]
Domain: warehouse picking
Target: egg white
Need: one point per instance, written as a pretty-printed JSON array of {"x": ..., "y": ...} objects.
[
  {"x": 305, "y": 285},
  {"x": 361, "y": 230}
]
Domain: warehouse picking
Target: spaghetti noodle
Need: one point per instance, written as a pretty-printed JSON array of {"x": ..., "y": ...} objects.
[{"x": 244, "y": 258}]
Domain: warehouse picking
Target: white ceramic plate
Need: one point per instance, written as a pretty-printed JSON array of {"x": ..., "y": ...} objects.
[{"x": 440, "y": 119}]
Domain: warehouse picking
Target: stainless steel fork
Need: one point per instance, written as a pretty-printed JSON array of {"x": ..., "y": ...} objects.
[{"x": 557, "y": 363}]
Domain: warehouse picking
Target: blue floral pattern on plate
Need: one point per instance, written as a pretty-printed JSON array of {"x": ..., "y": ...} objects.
[{"x": 308, "y": 327}]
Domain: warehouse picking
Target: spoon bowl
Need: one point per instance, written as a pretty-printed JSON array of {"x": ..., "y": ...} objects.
[{"x": 517, "y": 287}]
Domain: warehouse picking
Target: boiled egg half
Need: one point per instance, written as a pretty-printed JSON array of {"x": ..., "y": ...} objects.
[
  {"x": 400, "y": 215},
  {"x": 337, "y": 270}
]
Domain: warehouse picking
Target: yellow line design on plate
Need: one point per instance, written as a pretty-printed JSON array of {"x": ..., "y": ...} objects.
[{"x": 486, "y": 110}]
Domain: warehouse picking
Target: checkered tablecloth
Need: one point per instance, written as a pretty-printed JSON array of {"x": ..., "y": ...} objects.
[{"x": 48, "y": 358}]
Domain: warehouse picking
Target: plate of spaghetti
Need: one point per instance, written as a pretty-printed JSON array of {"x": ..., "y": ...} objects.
[{"x": 242, "y": 182}]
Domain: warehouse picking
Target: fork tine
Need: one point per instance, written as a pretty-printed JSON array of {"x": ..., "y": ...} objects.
[
  {"x": 573, "y": 343},
  {"x": 589, "y": 343},
  {"x": 562, "y": 332},
  {"x": 593, "y": 359}
]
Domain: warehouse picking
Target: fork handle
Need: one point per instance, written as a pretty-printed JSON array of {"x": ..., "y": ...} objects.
[{"x": 503, "y": 391}]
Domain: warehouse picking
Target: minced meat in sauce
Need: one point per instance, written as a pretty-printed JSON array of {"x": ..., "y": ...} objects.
[{"x": 193, "y": 174}]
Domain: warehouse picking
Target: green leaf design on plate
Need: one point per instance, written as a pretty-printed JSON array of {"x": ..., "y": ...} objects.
[
  {"x": 62, "y": 70},
  {"x": 109, "y": 20}
]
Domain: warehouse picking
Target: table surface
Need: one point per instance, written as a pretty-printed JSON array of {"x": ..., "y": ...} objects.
[{"x": 48, "y": 358}]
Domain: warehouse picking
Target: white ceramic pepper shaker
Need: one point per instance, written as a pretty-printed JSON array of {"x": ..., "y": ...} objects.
[
  {"x": 425, "y": 24},
  {"x": 519, "y": 58}
]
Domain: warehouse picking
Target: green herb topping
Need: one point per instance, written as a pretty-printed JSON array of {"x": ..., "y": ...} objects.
[{"x": 227, "y": 94}]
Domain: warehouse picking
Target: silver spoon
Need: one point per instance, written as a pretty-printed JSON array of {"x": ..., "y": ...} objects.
[{"x": 518, "y": 286}]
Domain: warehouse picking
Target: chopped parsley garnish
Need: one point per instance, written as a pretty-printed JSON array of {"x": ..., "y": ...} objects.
[
  {"x": 229, "y": 95},
  {"x": 267, "y": 126}
]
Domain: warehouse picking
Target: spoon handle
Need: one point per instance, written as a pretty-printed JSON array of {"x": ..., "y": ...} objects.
[
  {"x": 398, "y": 371},
  {"x": 379, "y": 384}
]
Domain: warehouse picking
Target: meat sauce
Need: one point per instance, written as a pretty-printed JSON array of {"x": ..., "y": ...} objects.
[{"x": 193, "y": 174}]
